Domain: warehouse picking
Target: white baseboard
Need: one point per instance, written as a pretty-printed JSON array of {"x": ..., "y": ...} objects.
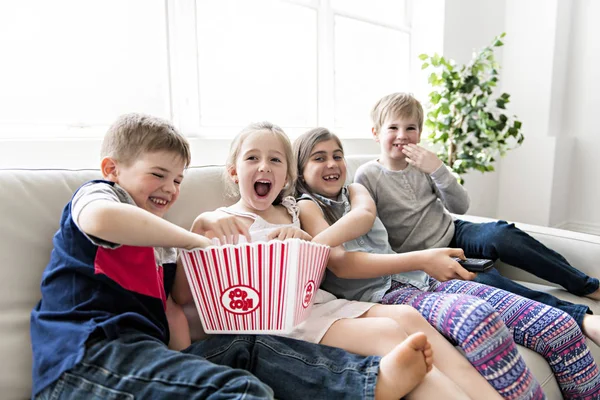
[{"x": 578, "y": 226}]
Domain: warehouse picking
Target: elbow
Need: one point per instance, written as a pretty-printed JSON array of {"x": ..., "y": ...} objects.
[
  {"x": 336, "y": 262},
  {"x": 339, "y": 265},
  {"x": 368, "y": 218},
  {"x": 461, "y": 210},
  {"x": 335, "y": 268}
]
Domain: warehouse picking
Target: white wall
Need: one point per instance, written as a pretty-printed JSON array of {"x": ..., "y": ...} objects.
[
  {"x": 469, "y": 26},
  {"x": 549, "y": 66},
  {"x": 582, "y": 107}
]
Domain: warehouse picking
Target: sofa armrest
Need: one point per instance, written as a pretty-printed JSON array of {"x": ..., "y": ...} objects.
[{"x": 582, "y": 250}]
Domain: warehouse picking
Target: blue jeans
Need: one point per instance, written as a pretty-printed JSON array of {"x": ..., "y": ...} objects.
[
  {"x": 500, "y": 240},
  {"x": 138, "y": 366}
]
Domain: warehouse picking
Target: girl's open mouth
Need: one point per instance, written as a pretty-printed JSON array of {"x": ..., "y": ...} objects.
[{"x": 262, "y": 188}]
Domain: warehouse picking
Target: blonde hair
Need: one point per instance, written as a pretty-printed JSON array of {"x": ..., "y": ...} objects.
[
  {"x": 132, "y": 135},
  {"x": 236, "y": 146},
  {"x": 403, "y": 105}
]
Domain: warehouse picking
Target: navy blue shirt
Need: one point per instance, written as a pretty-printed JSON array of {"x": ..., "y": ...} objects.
[{"x": 89, "y": 288}]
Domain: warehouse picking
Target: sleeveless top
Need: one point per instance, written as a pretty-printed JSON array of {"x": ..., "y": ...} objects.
[{"x": 326, "y": 309}]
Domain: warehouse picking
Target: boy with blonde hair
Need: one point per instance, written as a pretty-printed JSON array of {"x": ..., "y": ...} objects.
[
  {"x": 101, "y": 325},
  {"x": 414, "y": 193}
]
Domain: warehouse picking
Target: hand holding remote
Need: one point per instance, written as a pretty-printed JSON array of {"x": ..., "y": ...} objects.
[{"x": 475, "y": 264}]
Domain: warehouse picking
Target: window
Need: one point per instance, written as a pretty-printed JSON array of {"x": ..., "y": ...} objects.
[
  {"x": 70, "y": 67},
  {"x": 210, "y": 65}
]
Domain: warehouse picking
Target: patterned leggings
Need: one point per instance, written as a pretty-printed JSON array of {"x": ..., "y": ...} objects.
[{"x": 475, "y": 317}]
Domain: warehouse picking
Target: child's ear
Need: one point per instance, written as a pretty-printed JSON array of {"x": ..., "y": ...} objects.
[
  {"x": 109, "y": 169},
  {"x": 375, "y": 135},
  {"x": 233, "y": 175}
]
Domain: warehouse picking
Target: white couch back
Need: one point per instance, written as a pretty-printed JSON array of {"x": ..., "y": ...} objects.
[{"x": 31, "y": 203}]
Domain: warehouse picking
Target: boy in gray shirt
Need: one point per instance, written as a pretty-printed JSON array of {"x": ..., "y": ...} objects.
[{"x": 414, "y": 193}]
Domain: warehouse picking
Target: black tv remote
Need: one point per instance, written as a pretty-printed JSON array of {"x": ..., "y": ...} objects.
[{"x": 475, "y": 264}]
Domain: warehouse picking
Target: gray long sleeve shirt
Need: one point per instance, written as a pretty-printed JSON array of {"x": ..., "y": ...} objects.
[{"x": 410, "y": 203}]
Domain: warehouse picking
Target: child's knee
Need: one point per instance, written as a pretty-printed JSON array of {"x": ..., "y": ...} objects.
[
  {"x": 476, "y": 317},
  {"x": 391, "y": 331}
]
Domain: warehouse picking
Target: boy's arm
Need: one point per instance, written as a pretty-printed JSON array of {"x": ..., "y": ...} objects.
[
  {"x": 130, "y": 225},
  {"x": 452, "y": 194},
  {"x": 355, "y": 223},
  {"x": 359, "y": 265}
]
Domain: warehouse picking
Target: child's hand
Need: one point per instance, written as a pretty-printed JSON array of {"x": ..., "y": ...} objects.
[
  {"x": 439, "y": 264},
  {"x": 225, "y": 227},
  {"x": 289, "y": 232},
  {"x": 421, "y": 158}
]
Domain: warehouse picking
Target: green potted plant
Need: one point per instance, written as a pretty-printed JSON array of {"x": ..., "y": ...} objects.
[{"x": 466, "y": 120}]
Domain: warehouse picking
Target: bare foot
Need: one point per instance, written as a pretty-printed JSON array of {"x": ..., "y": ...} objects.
[
  {"x": 402, "y": 369},
  {"x": 594, "y": 295},
  {"x": 591, "y": 327}
]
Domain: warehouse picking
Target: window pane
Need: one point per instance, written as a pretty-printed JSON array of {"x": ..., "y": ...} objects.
[
  {"x": 386, "y": 11},
  {"x": 81, "y": 63},
  {"x": 257, "y": 60},
  {"x": 370, "y": 62}
]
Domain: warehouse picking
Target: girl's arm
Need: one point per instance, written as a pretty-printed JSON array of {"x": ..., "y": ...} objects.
[
  {"x": 181, "y": 292},
  {"x": 359, "y": 265},
  {"x": 354, "y": 224}
]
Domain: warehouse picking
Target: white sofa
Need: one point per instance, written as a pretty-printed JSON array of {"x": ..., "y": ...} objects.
[{"x": 31, "y": 202}]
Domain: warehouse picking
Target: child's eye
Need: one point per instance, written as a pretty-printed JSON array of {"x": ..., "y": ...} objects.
[
  {"x": 158, "y": 175},
  {"x": 177, "y": 182},
  {"x": 319, "y": 159},
  {"x": 252, "y": 158},
  {"x": 277, "y": 160},
  {"x": 393, "y": 128},
  {"x": 338, "y": 158},
  {"x": 411, "y": 128}
]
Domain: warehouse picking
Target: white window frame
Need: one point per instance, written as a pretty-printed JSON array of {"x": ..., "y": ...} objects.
[
  {"x": 69, "y": 149},
  {"x": 186, "y": 83}
]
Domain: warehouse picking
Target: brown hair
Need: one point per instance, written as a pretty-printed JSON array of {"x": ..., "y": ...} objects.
[
  {"x": 399, "y": 104},
  {"x": 303, "y": 147},
  {"x": 134, "y": 134},
  {"x": 234, "y": 153}
]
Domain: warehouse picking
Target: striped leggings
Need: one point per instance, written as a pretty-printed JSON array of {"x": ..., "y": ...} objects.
[{"x": 475, "y": 317}]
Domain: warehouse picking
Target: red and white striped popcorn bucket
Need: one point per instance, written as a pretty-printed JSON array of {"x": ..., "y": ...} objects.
[{"x": 260, "y": 287}]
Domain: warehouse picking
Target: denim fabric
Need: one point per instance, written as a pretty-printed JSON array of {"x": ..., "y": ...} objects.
[
  {"x": 501, "y": 240},
  {"x": 138, "y": 366},
  {"x": 296, "y": 369}
]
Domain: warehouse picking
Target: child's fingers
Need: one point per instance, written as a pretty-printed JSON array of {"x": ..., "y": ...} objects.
[
  {"x": 456, "y": 252},
  {"x": 242, "y": 229},
  {"x": 464, "y": 274},
  {"x": 274, "y": 234}
]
